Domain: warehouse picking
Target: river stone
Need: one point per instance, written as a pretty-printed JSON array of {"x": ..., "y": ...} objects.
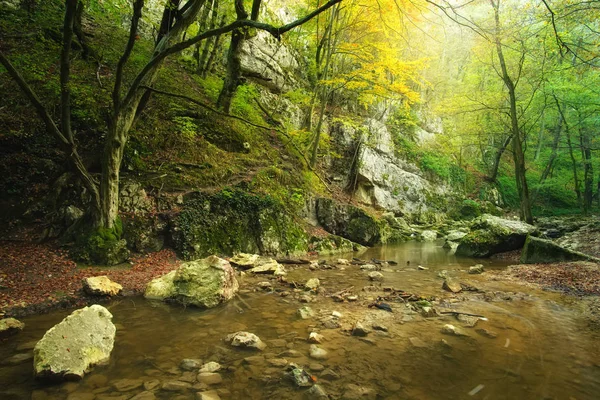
[
  {"x": 455, "y": 236},
  {"x": 210, "y": 367},
  {"x": 375, "y": 276},
  {"x": 9, "y": 327},
  {"x": 315, "y": 337},
  {"x": 101, "y": 286},
  {"x": 210, "y": 378},
  {"x": 244, "y": 261},
  {"x": 490, "y": 235},
  {"x": 300, "y": 377},
  {"x": 476, "y": 269},
  {"x": 370, "y": 267},
  {"x": 317, "y": 353},
  {"x": 355, "y": 392},
  {"x": 487, "y": 333},
  {"x": 203, "y": 283},
  {"x": 539, "y": 251},
  {"x": 145, "y": 395},
  {"x": 305, "y": 312},
  {"x": 208, "y": 395},
  {"x": 125, "y": 385},
  {"x": 312, "y": 284},
  {"x": 451, "y": 285},
  {"x": 190, "y": 364},
  {"x": 245, "y": 340},
  {"x": 451, "y": 330},
  {"x": 360, "y": 330},
  {"x": 269, "y": 267},
  {"x": 317, "y": 392},
  {"x": 69, "y": 349},
  {"x": 176, "y": 386},
  {"x": 428, "y": 236}
]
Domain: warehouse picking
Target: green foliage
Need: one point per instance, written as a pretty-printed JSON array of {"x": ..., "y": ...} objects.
[
  {"x": 299, "y": 97},
  {"x": 186, "y": 127},
  {"x": 211, "y": 84},
  {"x": 244, "y": 104}
]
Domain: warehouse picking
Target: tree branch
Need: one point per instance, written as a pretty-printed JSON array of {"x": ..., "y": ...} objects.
[
  {"x": 176, "y": 48},
  {"x": 135, "y": 19}
]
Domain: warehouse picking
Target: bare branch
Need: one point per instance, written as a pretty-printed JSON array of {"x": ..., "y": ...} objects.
[{"x": 135, "y": 19}]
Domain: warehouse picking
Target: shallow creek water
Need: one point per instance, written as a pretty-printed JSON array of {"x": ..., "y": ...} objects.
[{"x": 543, "y": 348}]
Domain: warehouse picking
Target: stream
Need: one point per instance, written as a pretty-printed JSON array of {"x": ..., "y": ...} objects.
[{"x": 543, "y": 348}]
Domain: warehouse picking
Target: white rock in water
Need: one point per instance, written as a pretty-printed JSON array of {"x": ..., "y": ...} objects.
[
  {"x": 317, "y": 353},
  {"x": 101, "y": 286},
  {"x": 312, "y": 284},
  {"x": 69, "y": 349},
  {"x": 244, "y": 260},
  {"x": 246, "y": 340},
  {"x": 375, "y": 276}
]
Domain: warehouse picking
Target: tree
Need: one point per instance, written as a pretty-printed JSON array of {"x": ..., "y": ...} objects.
[{"x": 128, "y": 99}]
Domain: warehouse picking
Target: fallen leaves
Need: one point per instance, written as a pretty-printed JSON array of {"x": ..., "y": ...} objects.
[
  {"x": 576, "y": 278},
  {"x": 38, "y": 276}
]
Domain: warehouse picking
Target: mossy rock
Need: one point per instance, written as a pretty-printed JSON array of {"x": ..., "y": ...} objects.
[
  {"x": 103, "y": 246},
  {"x": 349, "y": 222},
  {"x": 234, "y": 221},
  {"x": 540, "y": 251},
  {"x": 491, "y": 235}
]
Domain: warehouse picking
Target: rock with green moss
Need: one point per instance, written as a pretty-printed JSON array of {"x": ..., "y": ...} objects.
[
  {"x": 233, "y": 221},
  {"x": 539, "y": 251},
  {"x": 203, "y": 283},
  {"x": 103, "y": 246},
  {"x": 349, "y": 222},
  {"x": 332, "y": 244},
  {"x": 9, "y": 327},
  {"x": 69, "y": 349},
  {"x": 490, "y": 235}
]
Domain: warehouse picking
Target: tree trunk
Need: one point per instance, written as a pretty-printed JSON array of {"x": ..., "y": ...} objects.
[
  {"x": 213, "y": 54},
  {"x": 497, "y": 157},
  {"x": 234, "y": 64},
  {"x": 588, "y": 171},
  {"x": 573, "y": 166},
  {"x": 518, "y": 154}
]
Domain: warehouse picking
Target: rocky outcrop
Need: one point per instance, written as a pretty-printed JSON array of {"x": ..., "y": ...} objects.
[
  {"x": 203, "y": 283},
  {"x": 234, "y": 221},
  {"x": 101, "y": 286},
  {"x": 69, "y": 349},
  {"x": 269, "y": 62},
  {"x": 379, "y": 178},
  {"x": 349, "y": 222},
  {"x": 539, "y": 251},
  {"x": 9, "y": 327},
  {"x": 490, "y": 235}
]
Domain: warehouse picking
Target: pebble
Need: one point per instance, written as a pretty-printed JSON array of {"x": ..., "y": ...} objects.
[
  {"x": 125, "y": 385},
  {"x": 375, "y": 276},
  {"x": 176, "y": 386},
  {"x": 145, "y": 395},
  {"x": 336, "y": 314},
  {"x": 317, "y": 392},
  {"x": 306, "y": 312},
  {"x": 315, "y": 337},
  {"x": 416, "y": 342},
  {"x": 330, "y": 374},
  {"x": 190, "y": 364},
  {"x": 316, "y": 367},
  {"x": 451, "y": 330},
  {"x": 211, "y": 366},
  {"x": 151, "y": 384},
  {"x": 360, "y": 330},
  {"x": 317, "y": 353},
  {"x": 208, "y": 395},
  {"x": 210, "y": 378}
]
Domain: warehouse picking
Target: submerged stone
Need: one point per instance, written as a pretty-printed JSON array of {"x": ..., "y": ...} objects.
[
  {"x": 245, "y": 340},
  {"x": 539, "y": 251}
]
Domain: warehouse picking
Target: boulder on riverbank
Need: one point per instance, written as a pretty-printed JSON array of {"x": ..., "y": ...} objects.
[
  {"x": 9, "y": 327},
  {"x": 69, "y": 349},
  {"x": 541, "y": 251},
  {"x": 101, "y": 286},
  {"x": 203, "y": 283},
  {"x": 490, "y": 235}
]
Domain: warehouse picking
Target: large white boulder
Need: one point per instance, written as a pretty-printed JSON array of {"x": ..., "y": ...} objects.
[{"x": 72, "y": 347}]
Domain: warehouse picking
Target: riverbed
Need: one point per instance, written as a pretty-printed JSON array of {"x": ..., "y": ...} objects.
[{"x": 532, "y": 344}]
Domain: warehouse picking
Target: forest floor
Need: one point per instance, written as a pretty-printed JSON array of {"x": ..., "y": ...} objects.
[{"x": 35, "y": 278}]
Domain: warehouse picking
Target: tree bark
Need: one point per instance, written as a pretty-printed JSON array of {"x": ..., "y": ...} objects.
[
  {"x": 497, "y": 157},
  {"x": 518, "y": 154},
  {"x": 234, "y": 64}
]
